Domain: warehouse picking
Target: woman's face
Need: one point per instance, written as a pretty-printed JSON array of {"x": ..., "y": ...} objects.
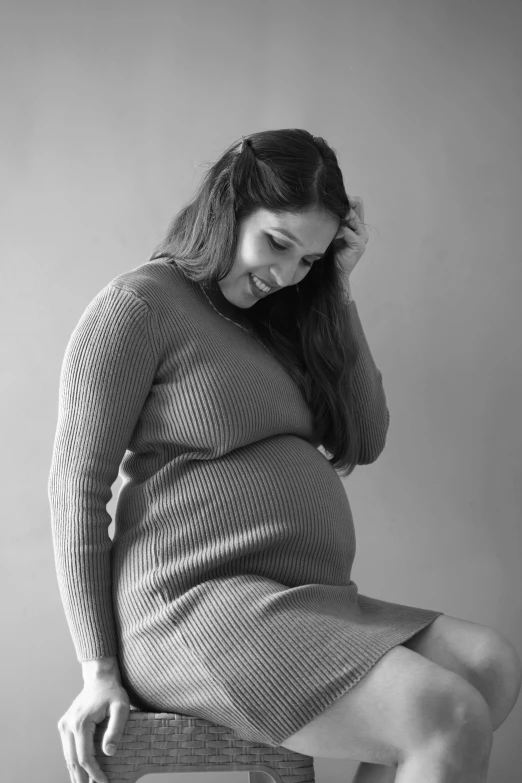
[{"x": 278, "y": 260}]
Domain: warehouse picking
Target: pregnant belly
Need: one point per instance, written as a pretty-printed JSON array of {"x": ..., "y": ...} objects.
[
  {"x": 275, "y": 500},
  {"x": 275, "y": 508}
]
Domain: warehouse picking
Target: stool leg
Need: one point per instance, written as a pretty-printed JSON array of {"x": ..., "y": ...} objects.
[{"x": 256, "y": 776}]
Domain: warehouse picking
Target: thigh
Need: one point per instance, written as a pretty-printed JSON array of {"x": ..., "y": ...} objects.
[
  {"x": 401, "y": 703},
  {"x": 480, "y": 654},
  {"x": 458, "y": 645}
]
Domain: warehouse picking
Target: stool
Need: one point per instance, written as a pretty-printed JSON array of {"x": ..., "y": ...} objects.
[{"x": 155, "y": 742}]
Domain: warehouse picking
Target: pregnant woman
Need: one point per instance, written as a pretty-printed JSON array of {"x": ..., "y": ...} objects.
[{"x": 229, "y": 381}]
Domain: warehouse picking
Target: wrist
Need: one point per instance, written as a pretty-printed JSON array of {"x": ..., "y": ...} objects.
[{"x": 101, "y": 668}]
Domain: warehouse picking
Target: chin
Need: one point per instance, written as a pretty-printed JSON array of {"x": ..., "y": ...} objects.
[{"x": 234, "y": 300}]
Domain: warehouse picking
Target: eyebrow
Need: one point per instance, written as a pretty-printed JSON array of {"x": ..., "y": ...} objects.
[{"x": 294, "y": 238}]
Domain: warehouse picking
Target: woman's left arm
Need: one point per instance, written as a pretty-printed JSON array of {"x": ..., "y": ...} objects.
[{"x": 371, "y": 409}]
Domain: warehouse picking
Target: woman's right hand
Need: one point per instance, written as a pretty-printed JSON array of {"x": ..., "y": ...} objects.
[{"x": 101, "y": 696}]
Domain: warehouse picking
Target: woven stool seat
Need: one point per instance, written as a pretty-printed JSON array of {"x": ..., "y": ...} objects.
[{"x": 172, "y": 742}]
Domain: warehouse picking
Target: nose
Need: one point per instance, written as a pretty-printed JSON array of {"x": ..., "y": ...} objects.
[{"x": 283, "y": 278}]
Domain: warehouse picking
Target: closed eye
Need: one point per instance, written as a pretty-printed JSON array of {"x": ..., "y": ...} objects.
[
  {"x": 274, "y": 243},
  {"x": 280, "y": 248}
]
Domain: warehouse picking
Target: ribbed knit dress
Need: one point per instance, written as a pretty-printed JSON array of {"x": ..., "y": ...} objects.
[{"x": 226, "y": 592}]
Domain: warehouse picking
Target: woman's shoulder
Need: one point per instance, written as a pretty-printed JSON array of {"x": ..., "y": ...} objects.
[{"x": 159, "y": 284}]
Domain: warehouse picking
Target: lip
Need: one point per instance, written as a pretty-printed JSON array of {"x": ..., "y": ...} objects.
[
  {"x": 257, "y": 290},
  {"x": 270, "y": 285}
]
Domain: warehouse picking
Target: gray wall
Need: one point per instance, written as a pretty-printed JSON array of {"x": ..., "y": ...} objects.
[{"x": 109, "y": 110}]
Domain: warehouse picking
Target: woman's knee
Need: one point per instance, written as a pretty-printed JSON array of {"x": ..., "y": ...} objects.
[
  {"x": 403, "y": 703},
  {"x": 449, "y": 706}
]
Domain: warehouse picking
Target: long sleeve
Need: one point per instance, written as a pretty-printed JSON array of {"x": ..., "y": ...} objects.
[
  {"x": 106, "y": 375},
  {"x": 371, "y": 410}
]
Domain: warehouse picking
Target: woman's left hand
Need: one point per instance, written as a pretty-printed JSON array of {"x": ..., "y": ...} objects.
[{"x": 355, "y": 236}]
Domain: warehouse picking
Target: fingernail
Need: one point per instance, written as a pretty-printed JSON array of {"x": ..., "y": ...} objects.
[{"x": 111, "y": 748}]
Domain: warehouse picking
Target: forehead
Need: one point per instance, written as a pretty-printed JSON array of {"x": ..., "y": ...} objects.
[{"x": 309, "y": 227}]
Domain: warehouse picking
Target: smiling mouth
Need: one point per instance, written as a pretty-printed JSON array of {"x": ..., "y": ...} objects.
[
  {"x": 256, "y": 288},
  {"x": 270, "y": 285}
]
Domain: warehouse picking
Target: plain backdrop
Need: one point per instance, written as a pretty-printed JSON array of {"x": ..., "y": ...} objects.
[{"x": 111, "y": 112}]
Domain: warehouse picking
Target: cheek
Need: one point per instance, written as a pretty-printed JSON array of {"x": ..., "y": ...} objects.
[{"x": 252, "y": 256}]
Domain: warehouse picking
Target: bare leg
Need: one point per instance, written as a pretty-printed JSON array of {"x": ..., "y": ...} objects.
[
  {"x": 447, "y": 764},
  {"x": 424, "y": 722},
  {"x": 374, "y": 773},
  {"x": 438, "y": 764},
  {"x": 500, "y": 703},
  {"x": 430, "y": 766}
]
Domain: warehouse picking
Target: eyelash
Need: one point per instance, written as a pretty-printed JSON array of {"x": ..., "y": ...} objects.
[{"x": 281, "y": 248}]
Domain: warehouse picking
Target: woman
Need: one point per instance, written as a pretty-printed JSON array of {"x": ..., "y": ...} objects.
[{"x": 230, "y": 380}]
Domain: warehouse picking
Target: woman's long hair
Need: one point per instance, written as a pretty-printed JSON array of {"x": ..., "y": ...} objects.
[{"x": 306, "y": 326}]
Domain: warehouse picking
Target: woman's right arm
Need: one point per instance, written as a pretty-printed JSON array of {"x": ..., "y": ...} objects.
[
  {"x": 101, "y": 667},
  {"x": 102, "y": 695},
  {"x": 107, "y": 372}
]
